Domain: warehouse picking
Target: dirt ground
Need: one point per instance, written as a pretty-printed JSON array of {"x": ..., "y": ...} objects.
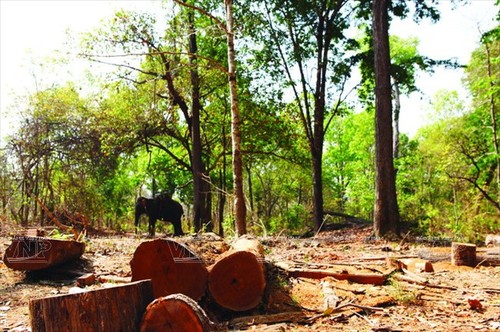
[{"x": 449, "y": 299}]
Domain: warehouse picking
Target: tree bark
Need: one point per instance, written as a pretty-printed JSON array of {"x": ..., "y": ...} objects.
[
  {"x": 37, "y": 253},
  {"x": 236, "y": 281},
  {"x": 200, "y": 207},
  {"x": 175, "y": 312},
  {"x": 172, "y": 268},
  {"x": 463, "y": 254},
  {"x": 239, "y": 195},
  {"x": 110, "y": 309},
  {"x": 386, "y": 214}
]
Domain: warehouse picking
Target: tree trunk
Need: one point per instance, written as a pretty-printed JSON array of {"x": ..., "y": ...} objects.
[
  {"x": 317, "y": 189},
  {"x": 37, "y": 253},
  {"x": 397, "y": 110},
  {"x": 200, "y": 207},
  {"x": 110, "y": 309},
  {"x": 386, "y": 214},
  {"x": 239, "y": 195},
  {"x": 172, "y": 268},
  {"x": 236, "y": 281},
  {"x": 175, "y": 312}
]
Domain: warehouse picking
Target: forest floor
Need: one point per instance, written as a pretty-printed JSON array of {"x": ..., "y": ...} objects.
[{"x": 452, "y": 298}]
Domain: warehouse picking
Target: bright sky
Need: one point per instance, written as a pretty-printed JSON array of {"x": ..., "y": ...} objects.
[{"x": 31, "y": 31}]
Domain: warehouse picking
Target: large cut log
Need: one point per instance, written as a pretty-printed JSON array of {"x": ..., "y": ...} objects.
[
  {"x": 172, "y": 268},
  {"x": 110, "y": 309},
  {"x": 236, "y": 281},
  {"x": 463, "y": 254},
  {"x": 176, "y": 312},
  {"x": 37, "y": 253}
]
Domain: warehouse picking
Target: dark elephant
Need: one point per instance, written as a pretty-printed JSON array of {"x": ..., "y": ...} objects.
[{"x": 162, "y": 207}]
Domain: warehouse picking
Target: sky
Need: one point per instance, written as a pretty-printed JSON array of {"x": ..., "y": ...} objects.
[{"x": 31, "y": 32}]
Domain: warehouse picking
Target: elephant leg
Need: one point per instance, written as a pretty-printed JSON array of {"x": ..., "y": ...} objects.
[
  {"x": 177, "y": 228},
  {"x": 152, "y": 226}
]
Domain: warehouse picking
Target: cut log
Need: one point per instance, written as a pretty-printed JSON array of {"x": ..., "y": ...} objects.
[
  {"x": 236, "y": 281},
  {"x": 413, "y": 265},
  {"x": 110, "y": 309},
  {"x": 176, "y": 312},
  {"x": 463, "y": 254},
  {"x": 37, "y": 253},
  {"x": 172, "y": 268}
]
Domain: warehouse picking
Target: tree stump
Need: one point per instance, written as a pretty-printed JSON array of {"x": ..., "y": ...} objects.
[
  {"x": 463, "y": 254},
  {"x": 110, "y": 309},
  {"x": 236, "y": 281},
  {"x": 172, "y": 268},
  {"x": 176, "y": 312}
]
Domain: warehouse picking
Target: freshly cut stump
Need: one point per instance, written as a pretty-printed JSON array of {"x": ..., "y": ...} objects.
[
  {"x": 172, "y": 268},
  {"x": 236, "y": 281},
  {"x": 110, "y": 309},
  {"x": 463, "y": 254},
  {"x": 176, "y": 313}
]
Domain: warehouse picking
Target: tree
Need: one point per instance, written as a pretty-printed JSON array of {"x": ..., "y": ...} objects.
[
  {"x": 301, "y": 45},
  {"x": 239, "y": 196},
  {"x": 386, "y": 213},
  {"x": 164, "y": 60}
]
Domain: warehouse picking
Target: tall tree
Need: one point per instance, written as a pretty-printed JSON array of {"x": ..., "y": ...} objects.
[
  {"x": 302, "y": 45},
  {"x": 162, "y": 75},
  {"x": 386, "y": 213},
  {"x": 239, "y": 195}
]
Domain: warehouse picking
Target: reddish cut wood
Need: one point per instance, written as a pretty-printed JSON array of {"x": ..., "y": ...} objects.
[
  {"x": 237, "y": 280},
  {"x": 110, "y": 309},
  {"x": 463, "y": 254},
  {"x": 176, "y": 313},
  {"x": 172, "y": 268},
  {"x": 37, "y": 253}
]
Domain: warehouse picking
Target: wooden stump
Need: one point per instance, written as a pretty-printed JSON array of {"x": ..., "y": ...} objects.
[
  {"x": 172, "y": 268},
  {"x": 110, "y": 309},
  {"x": 463, "y": 254},
  {"x": 176, "y": 312},
  {"x": 236, "y": 281},
  {"x": 37, "y": 253}
]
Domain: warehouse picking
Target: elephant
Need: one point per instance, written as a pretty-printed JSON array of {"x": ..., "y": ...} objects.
[{"x": 162, "y": 207}]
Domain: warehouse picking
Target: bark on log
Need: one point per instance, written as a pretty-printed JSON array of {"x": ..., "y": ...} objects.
[
  {"x": 37, "y": 253},
  {"x": 236, "y": 281},
  {"x": 463, "y": 254},
  {"x": 172, "y": 268},
  {"x": 176, "y": 312},
  {"x": 111, "y": 309}
]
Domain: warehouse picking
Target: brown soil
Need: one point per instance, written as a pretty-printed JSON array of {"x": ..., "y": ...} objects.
[{"x": 401, "y": 305}]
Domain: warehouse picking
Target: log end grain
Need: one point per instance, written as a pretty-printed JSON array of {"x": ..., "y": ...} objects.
[
  {"x": 463, "y": 254},
  {"x": 175, "y": 312},
  {"x": 172, "y": 268},
  {"x": 237, "y": 281}
]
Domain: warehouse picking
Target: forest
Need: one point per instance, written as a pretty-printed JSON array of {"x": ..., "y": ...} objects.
[{"x": 262, "y": 117}]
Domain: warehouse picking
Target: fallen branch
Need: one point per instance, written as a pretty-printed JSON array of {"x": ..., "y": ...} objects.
[
  {"x": 373, "y": 279},
  {"x": 289, "y": 317},
  {"x": 406, "y": 278},
  {"x": 55, "y": 221}
]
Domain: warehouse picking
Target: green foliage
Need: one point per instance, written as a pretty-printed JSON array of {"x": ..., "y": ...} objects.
[
  {"x": 94, "y": 154},
  {"x": 348, "y": 161}
]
